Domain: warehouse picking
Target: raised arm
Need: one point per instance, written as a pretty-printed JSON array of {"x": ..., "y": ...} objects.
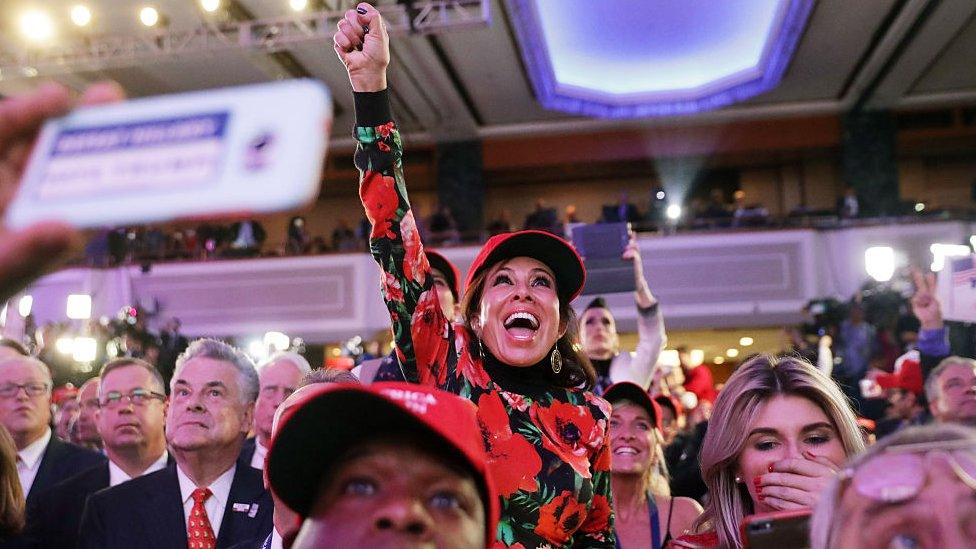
[
  {"x": 362, "y": 45},
  {"x": 651, "y": 337}
]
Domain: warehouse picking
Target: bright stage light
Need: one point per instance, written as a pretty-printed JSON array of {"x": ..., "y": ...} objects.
[
  {"x": 919, "y": 207},
  {"x": 36, "y": 26},
  {"x": 719, "y": 360},
  {"x": 79, "y": 307},
  {"x": 149, "y": 16},
  {"x": 298, "y": 5},
  {"x": 210, "y": 6},
  {"x": 277, "y": 341},
  {"x": 879, "y": 262},
  {"x": 673, "y": 212},
  {"x": 732, "y": 352},
  {"x": 81, "y": 15},
  {"x": 65, "y": 345},
  {"x": 25, "y": 305},
  {"x": 941, "y": 251},
  {"x": 85, "y": 349},
  {"x": 696, "y": 357},
  {"x": 745, "y": 341},
  {"x": 258, "y": 350}
]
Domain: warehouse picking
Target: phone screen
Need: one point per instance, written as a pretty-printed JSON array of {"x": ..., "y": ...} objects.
[
  {"x": 151, "y": 155},
  {"x": 778, "y": 532}
]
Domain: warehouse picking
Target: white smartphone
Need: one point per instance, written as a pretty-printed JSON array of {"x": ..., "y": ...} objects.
[{"x": 221, "y": 153}]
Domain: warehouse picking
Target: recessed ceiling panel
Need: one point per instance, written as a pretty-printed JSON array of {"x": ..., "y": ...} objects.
[{"x": 634, "y": 58}]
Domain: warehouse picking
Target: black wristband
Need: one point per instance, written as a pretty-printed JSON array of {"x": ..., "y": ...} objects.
[{"x": 372, "y": 108}]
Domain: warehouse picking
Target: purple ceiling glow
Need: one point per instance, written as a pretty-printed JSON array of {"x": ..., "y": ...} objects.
[{"x": 640, "y": 58}]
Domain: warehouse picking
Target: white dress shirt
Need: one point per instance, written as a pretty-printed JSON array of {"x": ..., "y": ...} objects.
[
  {"x": 276, "y": 541},
  {"x": 257, "y": 460},
  {"x": 215, "y": 504},
  {"x": 117, "y": 476},
  {"x": 29, "y": 461}
]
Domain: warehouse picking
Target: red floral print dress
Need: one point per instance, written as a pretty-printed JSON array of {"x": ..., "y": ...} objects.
[{"x": 548, "y": 448}]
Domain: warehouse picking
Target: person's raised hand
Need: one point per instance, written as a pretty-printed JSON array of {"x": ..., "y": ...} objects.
[
  {"x": 925, "y": 303},
  {"x": 363, "y": 46},
  {"x": 28, "y": 253},
  {"x": 796, "y": 483}
]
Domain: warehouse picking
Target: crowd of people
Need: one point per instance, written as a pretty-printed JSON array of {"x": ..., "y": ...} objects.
[{"x": 501, "y": 419}]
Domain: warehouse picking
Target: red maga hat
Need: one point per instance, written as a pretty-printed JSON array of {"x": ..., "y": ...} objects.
[
  {"x": 325, "y": 424},
  {"x": 625, "y": 390},
  {"x": 552, "y": 251},
  {"x": 448, "y": 269}
]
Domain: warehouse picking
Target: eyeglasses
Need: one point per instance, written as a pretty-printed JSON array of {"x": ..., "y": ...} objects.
[
  {"x": 899, "y": 472},
  {"x": 34, "y": 388},
  {"x": 138, "y": 397}
]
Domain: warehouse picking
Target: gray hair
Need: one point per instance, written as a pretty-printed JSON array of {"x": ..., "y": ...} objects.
[
  {"x": 218, "y": 350},
  {"x": 117, "y": 363},
  {"x": 827, "y": 521},
  {"x": 932, "y": 389},
  {"x": 40, "y": 364},
  {"x": 298, "y": 360},
  {"x": 329, "y": 375}
]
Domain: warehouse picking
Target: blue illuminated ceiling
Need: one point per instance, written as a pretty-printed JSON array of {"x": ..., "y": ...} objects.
[{"x": 638, "y": 58}]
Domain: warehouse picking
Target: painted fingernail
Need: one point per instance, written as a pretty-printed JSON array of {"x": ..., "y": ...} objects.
[
  {"x": 770, "y": 467},
  {"x": 361, "y": 11}
]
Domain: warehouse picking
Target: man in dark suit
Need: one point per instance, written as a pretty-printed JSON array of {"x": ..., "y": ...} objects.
[
  {"x": 171, "y": 344},
  {"x": 25, "y": 410},
  {"x": 207, "y": 499},
  {"x": 130, "y": 419}
]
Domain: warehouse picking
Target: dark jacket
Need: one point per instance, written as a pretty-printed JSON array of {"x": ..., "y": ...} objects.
[{"x": 147, "y": 513}]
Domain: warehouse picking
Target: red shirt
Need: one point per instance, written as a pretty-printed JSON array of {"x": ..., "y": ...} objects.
[{"x": 699, "y": 380}]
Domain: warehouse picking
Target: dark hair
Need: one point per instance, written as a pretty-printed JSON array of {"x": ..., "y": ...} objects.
[
  {"x": 577, "y": 370},
  {"x": 117, "y": 363},
  {"x": 15, "y": 345},
  {"x": 596, "y": 303},
  {"x": 11, "y": 494},
  {"x": 329, "y": 375}
]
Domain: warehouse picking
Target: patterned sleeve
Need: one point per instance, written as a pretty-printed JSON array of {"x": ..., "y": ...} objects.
[
  {"x": 597, "y": 529},
  {"x": 420, "y": 329}
]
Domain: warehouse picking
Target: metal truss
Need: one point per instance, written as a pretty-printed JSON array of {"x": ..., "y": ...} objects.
[{"x": 256, "y": 36}]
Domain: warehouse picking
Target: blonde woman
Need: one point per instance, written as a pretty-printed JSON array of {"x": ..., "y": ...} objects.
[
  {"x": 779, "y": 433},
  {"x": 647, "y": 515},
  {"x": 11, "y": 494}
]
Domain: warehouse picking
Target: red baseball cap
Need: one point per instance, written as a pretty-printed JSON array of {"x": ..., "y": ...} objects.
[
  {"x": 64, "y": 392},
  {"x": 330, "y": 420},
  {"x": 448, "y": 269},
  {"x": 625, "y": 390},
  {"x": 907, "y": 374},
  {"x": 552, "y": 251}
]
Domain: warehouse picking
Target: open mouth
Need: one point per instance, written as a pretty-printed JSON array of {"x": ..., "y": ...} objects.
[
  {"x": 521, "y": 324},
  {"x": 625, "y": 451}
]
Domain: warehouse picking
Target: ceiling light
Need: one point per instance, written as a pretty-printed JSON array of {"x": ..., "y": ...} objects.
[
  {"x": 84, "y": 349},
  {"x": 36, "y": 26},
  {"x": 718, "y": 360},
  {"x": 149, "y": 16},
  {"x": 79, "y": 306},
  {"x": 81, "y": 15},
  {"x": 258, "y": 350},
  {"x": 696, "y": 357},
  {"x": 210, "y": 6},
  {"x": 732, "y": 353},
  {"x": 25, "y": 305},
  {"x": 65, "y": 345},
  {"x": 298, "y": 5},
  {"x": 277, "y": 341},
  {"x": 919, "y": 207},
  {"x": 745, "y": 341},
  {"x": 879, "y": 262},
  {"x": 659, "y": 195},
  {"x": 673, "y": 212},
  {"x": 941, "y": 251}
]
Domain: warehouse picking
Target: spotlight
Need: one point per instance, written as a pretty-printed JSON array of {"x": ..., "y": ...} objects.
[
  {"x": 718, "y": 360},
  {"x": 36, "y": 26},
  {"x": 25, "y": 305},
  {"x": 79, "y": 306},
  {"x": 258, "y": 350},
  {"x": 732, "y": 353},
  {"x": 298, "y": 5},
  {"x": 673, "y": 212},
  {"x": 81, "y": 15},
  {"x": 277, "y": 341},
  {"x": 941, "y": 251},
  {"x": 745, "y": 341},
  {"x": 879, "y": 262},
  {"x": 65, "y": 345},
  {"x": 696, "y": 357},
  {"x": 210, "y": 6},
  {"x": 84, "y": 349},
  {"x": 149, "y": 16},
  {"x": 919, "y": 207},
  {"x": 659, "y": 195}
]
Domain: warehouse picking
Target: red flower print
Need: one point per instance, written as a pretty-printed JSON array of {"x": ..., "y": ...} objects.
[
  {"x": 386, "y": 129},
  {"x": 383, "y": 146},
  {"x": 415, "y": 263},
  {"x": 567, "y": 432},
  {"x": 599, "y": 516},
  {"x": 560, "y": 518},
  {"x": 380, "y": 200},
  {"x": 600, "y": 403},
  {"x": 516, "y": 401},
  {"x": 513, "y": 461},
  {"x": 392, "y": 291},
  {"x": 428, "y": 327},
  {"x": 467, "y": 367}
]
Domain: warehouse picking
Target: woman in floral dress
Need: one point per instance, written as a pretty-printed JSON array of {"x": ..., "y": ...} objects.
[{"x": 516, "y": 355}]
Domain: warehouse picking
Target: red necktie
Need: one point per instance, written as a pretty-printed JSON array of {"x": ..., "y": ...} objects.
[{"x": 200, "y": 534}]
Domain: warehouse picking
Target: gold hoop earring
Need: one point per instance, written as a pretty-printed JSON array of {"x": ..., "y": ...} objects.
[{"x": 556, "y": 361}]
